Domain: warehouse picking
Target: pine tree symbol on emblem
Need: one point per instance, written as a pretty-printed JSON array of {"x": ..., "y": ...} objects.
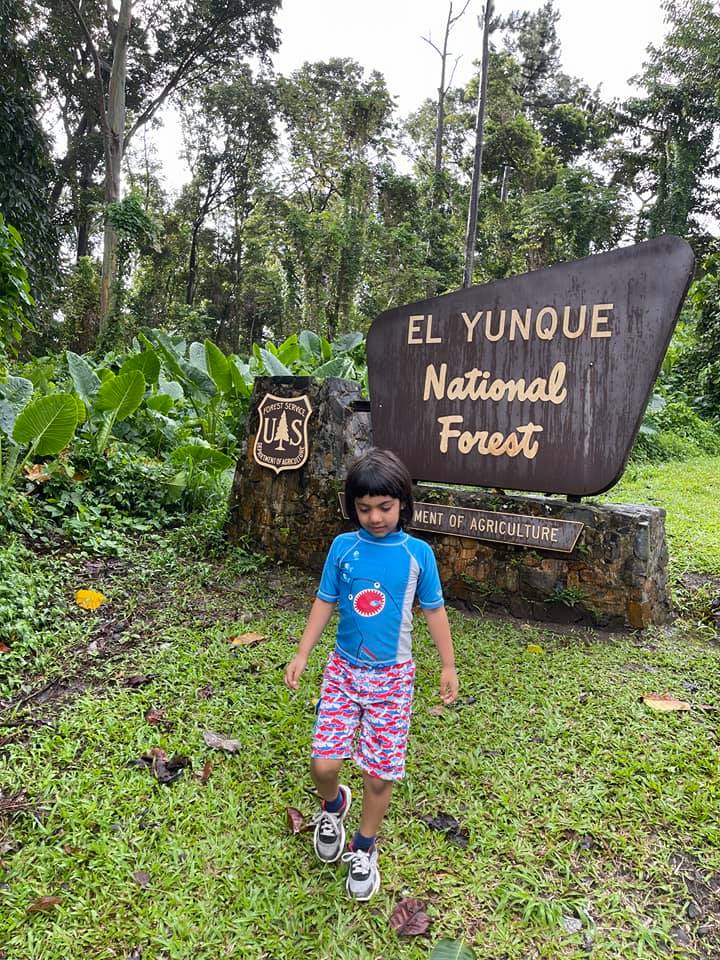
[{"x": 369, "y": 602}]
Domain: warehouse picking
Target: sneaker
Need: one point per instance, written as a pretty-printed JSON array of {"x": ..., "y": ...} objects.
[
  {"x": 329, "y": 838},
  {"x": 363, "y": 879}
]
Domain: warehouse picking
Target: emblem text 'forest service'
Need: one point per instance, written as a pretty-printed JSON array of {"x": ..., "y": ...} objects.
[{"x": 281, "y": 442}]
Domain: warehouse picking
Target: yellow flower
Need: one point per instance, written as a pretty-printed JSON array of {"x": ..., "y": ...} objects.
[
  {"x": 89, "y": 599},
  {"x": 534, "y": 648}
]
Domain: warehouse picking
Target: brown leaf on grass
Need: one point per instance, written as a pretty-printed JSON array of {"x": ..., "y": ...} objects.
[
  {"x": 204, "y": 774},
  {"x": 437, "y": 711},
  {"x": 135, "y": 953},
  {"x": 44, "y": 903},
  {"x": 217, "y": 742},
  {"x": 409, "y": 918},
  {"x": 205, "y": 692},
  {"x": 156, "y": 718},
  {"x": 296, "y": 821},
  {"x": 142, "y": 879},
  {"x": 246, "y": 639},
  {"x": 164, "y": 770},
  {"x": 4, "y": 648},
  {"x": 664, "y": 702},
  {"x": 137, "y": 680}
]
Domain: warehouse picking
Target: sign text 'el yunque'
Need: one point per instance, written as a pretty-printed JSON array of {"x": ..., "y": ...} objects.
[{"x": 538, "y": 382}]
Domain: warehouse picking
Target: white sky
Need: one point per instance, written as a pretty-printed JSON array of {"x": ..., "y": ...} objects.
[{"x": 603, "y": 43}]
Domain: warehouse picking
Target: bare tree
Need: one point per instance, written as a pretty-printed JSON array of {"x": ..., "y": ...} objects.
[{"x": 444, "y": 85}]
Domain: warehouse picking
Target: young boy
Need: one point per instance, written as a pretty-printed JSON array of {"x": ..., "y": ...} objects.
[{"x": 372, "y": 575}]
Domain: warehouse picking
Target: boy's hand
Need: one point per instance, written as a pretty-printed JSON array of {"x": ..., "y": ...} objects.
[
  {"x": 449, "y": 685},
  {"x": 295, "y": 670}
]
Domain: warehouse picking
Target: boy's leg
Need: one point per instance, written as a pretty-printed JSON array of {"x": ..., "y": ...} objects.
[
  {"x": 325, "y": 775},
  {"x": 376, "y": 799}
]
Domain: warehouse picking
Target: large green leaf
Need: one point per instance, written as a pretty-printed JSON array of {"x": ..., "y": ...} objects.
[
  {"x": 337, "y": 367},
  {"x": 122, "y": 395},
  {"x": 209, "y": 456},
  {"x": 83, "y": 376},
  {"x": 48, "y": 423},
  {"x": 241, "y": 385},
  {"x": 15, "y": 393},
  {"x": 310, "y": 342},
  {"x": 148, "y": 363},
  {"x": 275, "y": 367},
  {"x": 172, "y": 388},
  {"x": 196, "y": 355},
  {"x": 347, "y": 342},
  {"x": 218, "y": 366},
  {"x": 161, "y": 402},
  {"x": 289, "y": 350},
  {"x": 452, "y": 950}
]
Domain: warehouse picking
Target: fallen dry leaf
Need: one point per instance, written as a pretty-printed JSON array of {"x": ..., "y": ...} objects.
[
  {"x": 437, "y": 711},
  {"x": 142, "y": 879},
  {"x": 296, "y": 821},
  {"x": 136, "y": 680},
  {"x": 217, "y": 742},
  {"x": 156, "y": 718},
  {"x": 205, "y": 692},
  {"x": 4, "y": 648},
  {"x": 409, "y": 918},
  {"x": 164, "y": 770},
  {"x": 664, "y": 702},
  {"x": 90, "y": 599},
  {"x": 44, "y": 903},
  {"x": 204, "y": 774},
  {"x": 246, "y": 639}
]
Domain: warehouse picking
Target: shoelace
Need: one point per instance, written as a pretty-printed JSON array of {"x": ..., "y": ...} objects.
[
  {"x": 326, "y": 822},
  {"x": 359, "y": 861}
]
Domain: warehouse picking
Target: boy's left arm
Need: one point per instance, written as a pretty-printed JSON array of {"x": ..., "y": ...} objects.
[{"x": 439, "y": 627}]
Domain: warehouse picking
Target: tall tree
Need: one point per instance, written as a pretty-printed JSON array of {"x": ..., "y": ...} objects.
[
  {"x": 142, "y": 55},
  {"x": 25, "y": 163}
]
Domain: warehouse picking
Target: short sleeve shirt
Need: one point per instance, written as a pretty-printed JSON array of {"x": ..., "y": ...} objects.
[{"x": 374, "y": 581}]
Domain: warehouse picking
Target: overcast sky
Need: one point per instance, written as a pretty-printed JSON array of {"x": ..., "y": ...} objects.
[{"x": 603, "y": 43}]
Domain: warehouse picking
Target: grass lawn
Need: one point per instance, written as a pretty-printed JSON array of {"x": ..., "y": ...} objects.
[{"x": 586, "y": 824}]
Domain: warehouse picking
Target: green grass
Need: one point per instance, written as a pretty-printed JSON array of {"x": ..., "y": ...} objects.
[
  {"x": 577, "y": 800},
  {"x": 689, "y": 493}
]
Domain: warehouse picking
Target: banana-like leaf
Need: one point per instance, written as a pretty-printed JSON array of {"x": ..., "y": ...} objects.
[
  {"x": 209, "y": 456},
  {"x": 218, "y": 366},
  {"x": 148, "y": 363},
  {"x": 452, "y": 950},
  {"x": 275, "y": 367},
  {"x": 48, "y": 423},
  {"x": 121, "y": 395},
  {"x": 15, "y": 393},
  {"x": 84, "y": 378},
  {"x": 187, "y": 373},
  {"x": 310, "y": 342},
  {"x": 325, "y": 348}
]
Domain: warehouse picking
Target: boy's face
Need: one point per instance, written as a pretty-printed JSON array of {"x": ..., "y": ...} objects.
[{"x": 378, "y": 515}]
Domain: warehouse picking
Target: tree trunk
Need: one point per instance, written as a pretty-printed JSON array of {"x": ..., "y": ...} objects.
[{"x": 114, "y": 135}]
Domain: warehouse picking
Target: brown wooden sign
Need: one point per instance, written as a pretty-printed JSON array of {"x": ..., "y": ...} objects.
[
  {"x": 538, "y": 382},
  {"x": 281, "y": 442},
  {"x": 541, "y": 533}
]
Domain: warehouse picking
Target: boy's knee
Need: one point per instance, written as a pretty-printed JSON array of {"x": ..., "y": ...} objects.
[
  {"x": 376, "y": 786},
  {"x": 325, "y": 769}
]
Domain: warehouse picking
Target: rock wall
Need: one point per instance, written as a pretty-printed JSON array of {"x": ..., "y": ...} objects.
[{"x": 615, "y": 576}]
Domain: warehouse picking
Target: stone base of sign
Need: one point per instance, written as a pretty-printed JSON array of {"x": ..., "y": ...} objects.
[{"x": 615, "y": 576}]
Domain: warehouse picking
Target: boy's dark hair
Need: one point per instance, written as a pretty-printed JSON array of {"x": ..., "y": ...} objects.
[{"x": 379, "y": 473}]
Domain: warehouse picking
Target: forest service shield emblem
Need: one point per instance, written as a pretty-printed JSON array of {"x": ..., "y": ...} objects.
[{"x": 281, "y": 441}]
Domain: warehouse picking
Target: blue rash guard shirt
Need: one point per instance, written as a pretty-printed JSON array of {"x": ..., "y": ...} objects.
[{"x": 374, "y": 581}]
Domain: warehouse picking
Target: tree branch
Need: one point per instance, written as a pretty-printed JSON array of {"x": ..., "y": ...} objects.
[{"x": 99, "y": 89}]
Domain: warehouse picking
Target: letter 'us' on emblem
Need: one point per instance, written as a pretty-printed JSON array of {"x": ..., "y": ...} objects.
[{"x": 281, "y": 442}]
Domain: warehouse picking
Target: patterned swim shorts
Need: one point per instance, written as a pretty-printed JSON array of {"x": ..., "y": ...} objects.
[{"x": 371, "y": 705}]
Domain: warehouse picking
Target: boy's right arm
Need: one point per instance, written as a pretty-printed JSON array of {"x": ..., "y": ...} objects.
[{"x": 320, "y": 614}]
